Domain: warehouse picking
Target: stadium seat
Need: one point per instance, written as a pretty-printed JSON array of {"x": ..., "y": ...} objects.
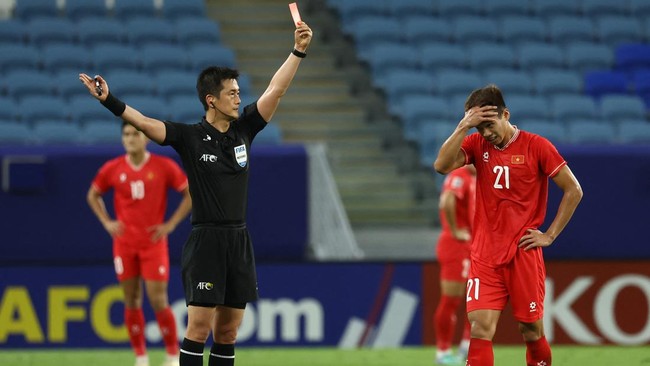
[
  {"x": 67, "y": 84},
  {"x": 486, "y": 56},
  {"x": 630, "y": 57},
  {"x": 500, "y": 8},
  {"x": 434, "y": 134},
  {"x": 100, "y": 31},
  {"x": 458, "y": 82},
  {"x": 595, "y": 8},
  {"x": 534, "y": 55},
  {"x": 34, "y": 109},
  {"x": 44, "y": 31},
  {"x": 14, "y": 133},
  {"x": 270, "y": 135},
  {"x": 176, "y": 83},
  {"x": 557, "y": 81},
  {"x": 511, "y": 82},
  {"x": 54, "y": 132},
  {"x": 407, "y": 9},
  {"x": 20, "y": 84},
  {"x": 568, "y": 29},
  {"x": 8, "y": 109},
  {"x": 404, "y": 84},
  {"x": 434, "y": 57},
  {"x": 85, "y": 109},
  {"x": 202, "y": 57},
  {"x": 474, "y": 29},
  {"x": 551, "y": 8},
  {"x": 186, "y": 109},
  {"x": 351, "y": 10},
  {"x": 528, "y": 107},
  {"x": 598, "y": 83},
  {"x": 100, "y": 132},
  {"x": 416, "y": 109},
  {"x": 127, "y": 9},
  {"x": 65, "y": 57},
  {"x": 370, "y": 31},
  {"x": 81, "y": 9},
  {"x": 174, "y": 9},
  {"x": 554, "y": 132},
  {"x": 15, "y": 57},
  {"x": 245, "y": 83},
  {"x": 129, "y": 84},
  {"x": 391, "y": 56},
  {"x": 589, "y": 132},
  {"x": 29, "y": 9},
  {"x": 192, "y": 31},
  {"x": 113, "y": 57},
  {"x": 517, "y": 29},
  {"x": 160, "y": 57},
  {"x": 450, "y": 9},
  {"x": 621, "y": 107},
  {"x": 12, "y": 32},
  {"x": 640, "y": 8},
  {"x": 574, "y": 107},
  {"x": 588, "y": 56},
  {"x": 420, "y": 30},
  {"x": 634, "y": 131},
  {"x": 613, "y": 29},
  {"x": 141, "y": 31},
  {"x": 641, "y": 82}
]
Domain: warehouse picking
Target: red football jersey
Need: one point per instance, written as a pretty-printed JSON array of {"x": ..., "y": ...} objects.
[
  {"x": 140, "y": 192},
  {"x": 511, "y": 191},
  {"x": 462, "y": 184}
]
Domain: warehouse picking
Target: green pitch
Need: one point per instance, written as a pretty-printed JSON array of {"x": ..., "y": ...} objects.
[{"x": 411, "y": 356}]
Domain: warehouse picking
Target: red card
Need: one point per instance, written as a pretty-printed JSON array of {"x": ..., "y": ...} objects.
[{"x": 295, "y": 14}]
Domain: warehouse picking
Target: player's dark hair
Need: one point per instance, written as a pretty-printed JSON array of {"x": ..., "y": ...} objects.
[
  {"x": 488, "y": 95},
  {"x": 210, "y": 81}
]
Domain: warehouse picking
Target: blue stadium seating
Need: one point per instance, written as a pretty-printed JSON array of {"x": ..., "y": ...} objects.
[
  {"x": 54, "y": 132},
  {"x": 589, "y": 132},
  {"x": 127, "y": 9},
  {"x": 557, "y": 81},
  {"x": 176, "y": 83},
  {"x": 85, "y": 109},
  {"x": 14, "y": 57},
  {"x": 511, "y": 82},
  {"x": 567, "y": 108},
  {"x": 245, "y": 83},
  {"x": 567, "y": 29},
  {"x": 450, "y": 9},
  {"x": 404, "y": 84},
  {"x": 617, "y": 108},
  {"x": 113, "y": 57},
  {"x": 595, "y": 8},
  {"x": 129, "y": 84},
  {"x": 614, "y": 30},
  {"x": 434, "y": 57},
  {"x": 474, "y": 29},
  {"x": 100, "y": 132},
  {"x": 369, "y": 31},
  {"x": 641, "y": 82},
  {"x": 534, "y": 55},
  {"x": 192, "y": 31},
  {"x": 29, "y": 9},
  {"x": 552, "y": 8},
  {"x": 270, "y": 135},
  {"x": 186, "y": 109},
  {"x": 150, "y": 107},
  {"x": 15, "y": 133},
  {"x": 634, "y": 131},
  {"x": 598, "y": 83},
  {"x": 589, "y": 56},
  {"x": 99, "y": 31},
  {"x": 528, "y": 107},
  {"x": 34, "y": 109},
  {"x": 13, "y": 32},
  {"x": 554, "y": 132},
  {"x": 500, "y": 8},
  {"x": 175, "y": 9},
  {"x": 632, "y": 56},
  {"x": 42, "y": 31},
  {"x": 419, "y": 30},
  {"x": 488, "y": 56},
  {"x": 390, "y": 56},
  {"x": 351, "y": 10},
  {"x": 640, "y": 8},
  {"x": 415, "y": 110},
  {"x": 20, "y": 84},
  {"x": 407, "y": 9},
  {"x": 458, "y": 82},
  {"x": 81, "y": 9},
  {"x": 8, "y": 109},
  {"x": 203, "y": 57},
  {"x": 158, "y": 58},
  {"x": 65, "y": 57},
  {"x": 141, "y": 31},
  {"x": 68, "y": 86},
  {"x": 517, "y": 29}
]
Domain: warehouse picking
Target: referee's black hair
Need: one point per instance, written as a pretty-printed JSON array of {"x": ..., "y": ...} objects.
[{"x": 210, "y": 81}]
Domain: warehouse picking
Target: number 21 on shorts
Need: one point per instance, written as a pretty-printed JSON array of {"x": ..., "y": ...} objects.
[{"x": 473, "y": 288}]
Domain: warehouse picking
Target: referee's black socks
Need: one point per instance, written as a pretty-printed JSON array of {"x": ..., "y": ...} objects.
[
  {"x": 222, "y": 355},
  {"x": 191, "y": 353}
]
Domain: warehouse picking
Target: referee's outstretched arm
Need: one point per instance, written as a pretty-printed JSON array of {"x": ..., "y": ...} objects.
[
  {"x": 154, "y": 129},
  {"x": 268, "y": 102}
]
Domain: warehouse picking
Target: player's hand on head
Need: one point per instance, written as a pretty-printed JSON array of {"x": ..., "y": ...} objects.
[
  {"x": 477, "y": 115},
  {"x": 303, "y": 35},
  {"x": 89, "y": 82}
]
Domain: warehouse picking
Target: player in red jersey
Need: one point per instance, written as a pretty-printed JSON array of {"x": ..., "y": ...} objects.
[
  {"x": 457, "y": 206},
  {"x": 140, "y": 181},
  {"x": 512, "y": 168}
]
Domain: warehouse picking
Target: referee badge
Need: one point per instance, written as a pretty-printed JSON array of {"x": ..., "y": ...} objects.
[{"x": 240, "y": 155}]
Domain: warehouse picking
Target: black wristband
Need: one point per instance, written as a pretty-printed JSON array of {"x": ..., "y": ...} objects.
[
  {"x": 298, "y": 53},
  {"x": 114, "y": 105}
]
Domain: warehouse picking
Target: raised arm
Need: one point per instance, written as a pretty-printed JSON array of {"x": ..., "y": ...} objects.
[
  {"x": 154, "y": 129},
  {"x": 450, "y": 156},
  {"x": 267, "y": 104}
]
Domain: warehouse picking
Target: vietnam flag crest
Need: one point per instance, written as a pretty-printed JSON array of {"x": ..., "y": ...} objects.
[{"x": 517, "y": 159}]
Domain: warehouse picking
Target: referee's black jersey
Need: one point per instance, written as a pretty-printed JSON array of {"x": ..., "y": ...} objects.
[{"x": 217, "y": 165}]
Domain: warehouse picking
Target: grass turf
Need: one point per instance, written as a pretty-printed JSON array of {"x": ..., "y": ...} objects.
[{"x": 412, "y": 356}]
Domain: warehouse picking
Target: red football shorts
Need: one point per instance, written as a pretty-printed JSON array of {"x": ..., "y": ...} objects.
[
  {"x": 453, "y": 257},
  {"x": 149, "y": 261},
  {"x": 521, "y": 281}
]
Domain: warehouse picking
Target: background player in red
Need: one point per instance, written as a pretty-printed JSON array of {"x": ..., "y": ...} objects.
[
  {"x": 140, "y": 181},
  {"x": 457, "y": 202},
  {"x": 507, "y": 264}
]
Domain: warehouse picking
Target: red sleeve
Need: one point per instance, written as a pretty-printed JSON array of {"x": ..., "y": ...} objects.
[
  {"x": 176, "y": 177},
  {"x": 456, "y": 184},
  {"x": 469, "y": 146},
  {"x": 550, "y": 160},
  {"x": 102, "y": 181}
]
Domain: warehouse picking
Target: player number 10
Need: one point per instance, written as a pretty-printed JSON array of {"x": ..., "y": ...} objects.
[
  {"x": 502, "y": 171},
  {"x": 137, "y": 190}
]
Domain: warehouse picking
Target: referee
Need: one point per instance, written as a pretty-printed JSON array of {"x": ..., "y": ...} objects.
[{"x": 218, "y": 264}]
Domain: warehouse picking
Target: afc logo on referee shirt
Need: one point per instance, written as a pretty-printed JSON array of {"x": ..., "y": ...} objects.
[{"x": 204, "y": 286}]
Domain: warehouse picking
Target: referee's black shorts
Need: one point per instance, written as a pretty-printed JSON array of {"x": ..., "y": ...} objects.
[{"x": 218, "y": 266}]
